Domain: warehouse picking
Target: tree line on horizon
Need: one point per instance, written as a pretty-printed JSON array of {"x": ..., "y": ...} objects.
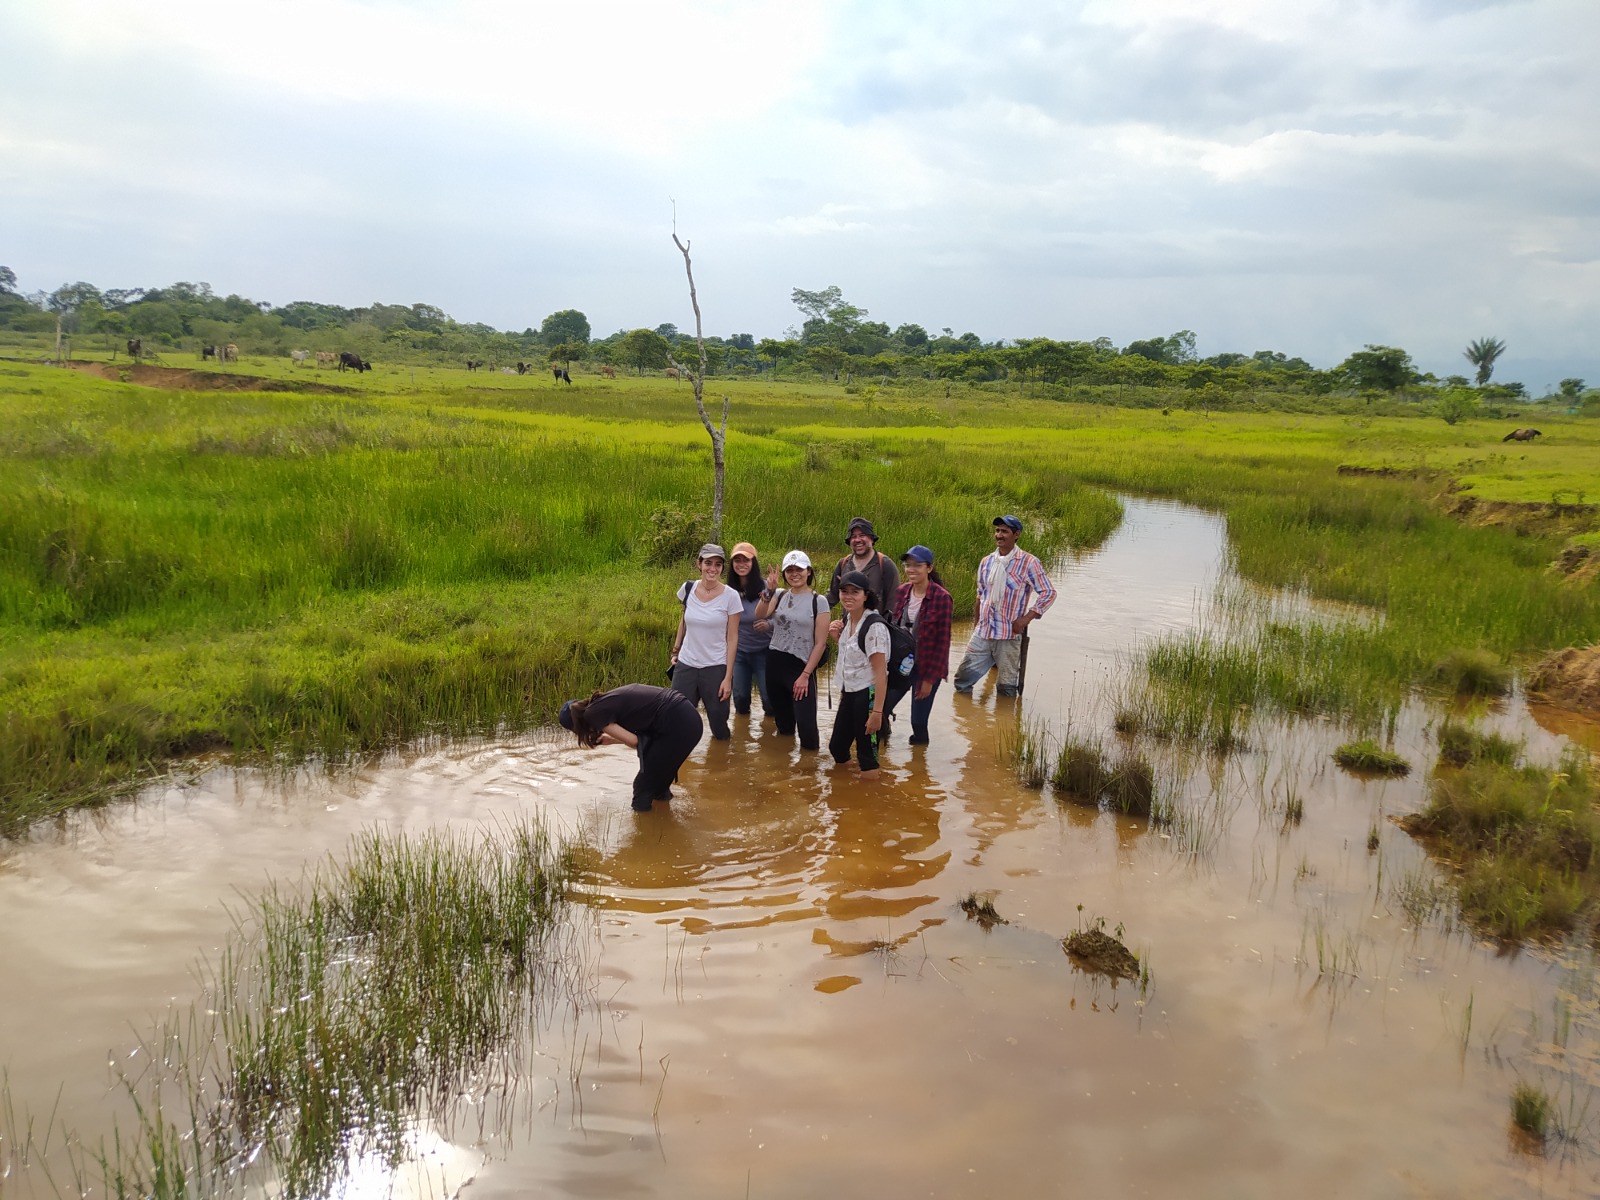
[{"x": 835, "y": 340}]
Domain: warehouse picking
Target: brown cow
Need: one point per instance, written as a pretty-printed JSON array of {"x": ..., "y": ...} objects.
[
  {"x": 1521, "y": 435},
  {"x": 609, "y": 372},
  {"x": 326, "y": 358},
  {"x": 671, "y": 372}
]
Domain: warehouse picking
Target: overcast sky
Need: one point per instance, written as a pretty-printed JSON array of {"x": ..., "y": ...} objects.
[{"x": 1298, "y": 175}]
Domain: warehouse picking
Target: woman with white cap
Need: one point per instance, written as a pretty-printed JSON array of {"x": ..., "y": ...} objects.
[
  {"x": 707, "y": 641},
  {"x": 750, "y": 663},
  {"x": 798, "y": 618}
]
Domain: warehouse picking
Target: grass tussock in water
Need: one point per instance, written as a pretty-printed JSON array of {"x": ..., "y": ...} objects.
[
  {"x": 1085, "y": 773},
  {"x": 1366, "y": 755},
  {"x": 1472, "y": 673},
  {"x": 979, "y": 907},
  {"x": 1523, "y": 839},
  {"x": 343, "y": 1012},
  {"x": 1460, "y": 744},
  {"x": 1025, "y": 746}
]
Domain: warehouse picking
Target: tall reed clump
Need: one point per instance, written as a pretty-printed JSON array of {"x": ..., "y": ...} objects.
[
  {"x": 1460, "y": 744},
  {"x": 1084, "y": 773},
  {"x": 1524, "y": 839},
  {"x": 1025, "y": 746},
  {"x": 342, "y": 1013}
]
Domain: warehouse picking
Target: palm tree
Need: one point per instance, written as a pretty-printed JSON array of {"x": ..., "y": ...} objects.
[{"x": 1481, "y": 353}]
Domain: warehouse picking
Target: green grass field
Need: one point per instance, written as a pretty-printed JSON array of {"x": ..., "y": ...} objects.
[{"x": 438, "y": 552}]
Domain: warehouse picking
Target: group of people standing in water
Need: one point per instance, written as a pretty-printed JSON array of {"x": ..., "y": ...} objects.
[{"x": 771, "y": 634}]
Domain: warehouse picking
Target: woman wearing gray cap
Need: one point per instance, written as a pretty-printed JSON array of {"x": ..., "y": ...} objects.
[
  {"x": 707, "y": 642},
  {"x": 799, "y": 621}
]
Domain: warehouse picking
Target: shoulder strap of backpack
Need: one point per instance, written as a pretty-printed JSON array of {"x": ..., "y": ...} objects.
[
  {"x": 683, "y": 592},
  {"x": 867, "y": 623}
]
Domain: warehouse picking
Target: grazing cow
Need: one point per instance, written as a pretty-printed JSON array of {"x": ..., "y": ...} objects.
[
  {"x": 230, "y": 353},
  {"x": 523, "y": 368},
  {"x": 135, "y": 348},
  {"x": 671, "y": 372},
  {"x": 1521, "y": 435},
  {"x": 354, "y": 361},
  {"x": 609, "y": 372},
  {"x": 474, "y": 363},
  {"x": 326, "y": 358},
  {"x": 209, "y": 352},
  {"x": 298, "y": 357}
]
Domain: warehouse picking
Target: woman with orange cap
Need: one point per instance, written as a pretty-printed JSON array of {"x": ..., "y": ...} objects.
[{"x": 755, "y": 634}]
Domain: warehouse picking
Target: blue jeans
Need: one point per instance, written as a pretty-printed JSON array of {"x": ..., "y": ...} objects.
[
  {"x": 750, "y": 665},
  {"x": 920, "y": 709}
]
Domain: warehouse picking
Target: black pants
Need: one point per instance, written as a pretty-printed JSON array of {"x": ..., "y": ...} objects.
[
  {"x": 662, "y": 749},
  {"x": 850, "y": 726},
  {"x": 699, "y": 685},
  {"x": 783, "y": 669}
]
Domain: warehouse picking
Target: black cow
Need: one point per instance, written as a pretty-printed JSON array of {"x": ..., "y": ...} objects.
[
  {"x": 522, "y": 367},
  {"x": 561, "y": 375},
  {"x": 474, "y": 363},
  {"x": 354, "y": 361},
  {"x": 1521, "y": 435},
  {"x": 135, "y": 348},
  {"x": 210, "y": 352}
]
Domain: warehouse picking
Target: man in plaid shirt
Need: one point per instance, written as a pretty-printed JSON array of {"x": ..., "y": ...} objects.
[{"x": 1013, "y": 592}]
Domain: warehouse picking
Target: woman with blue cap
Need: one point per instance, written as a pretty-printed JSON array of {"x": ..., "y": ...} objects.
[
  {"x": 661, "y": 724},
  {"x": 923, "y": 605}
]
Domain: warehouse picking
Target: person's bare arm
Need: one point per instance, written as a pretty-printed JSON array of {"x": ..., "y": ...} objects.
[
  {"x": 726, "y": 689},
  {"x": 616, "y": 735}
]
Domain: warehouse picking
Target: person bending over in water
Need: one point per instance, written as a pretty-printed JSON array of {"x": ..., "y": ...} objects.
[{"x": 660, "y": 723}]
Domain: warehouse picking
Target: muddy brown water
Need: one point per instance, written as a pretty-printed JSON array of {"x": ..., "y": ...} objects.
[{"x": 785, "y": 999}]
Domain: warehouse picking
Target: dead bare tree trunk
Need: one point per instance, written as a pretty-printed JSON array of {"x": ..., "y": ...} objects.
[{"x": 719, "y": 436}]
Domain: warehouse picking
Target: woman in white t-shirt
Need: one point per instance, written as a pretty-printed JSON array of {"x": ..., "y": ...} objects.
[
  {"x": 863, "y": 675},
  {"x": 707, "y": 643}
]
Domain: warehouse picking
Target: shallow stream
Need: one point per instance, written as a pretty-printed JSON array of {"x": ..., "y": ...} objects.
[{"x": 785, "y": 999}]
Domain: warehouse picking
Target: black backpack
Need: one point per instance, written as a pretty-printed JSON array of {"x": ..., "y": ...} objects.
[{"x": 902, "y": 644}]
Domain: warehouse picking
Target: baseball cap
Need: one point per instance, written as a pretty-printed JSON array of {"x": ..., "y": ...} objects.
[
  {"x": 1010, "y": 522},
  {"x": 855, "y": 579},
  {"x": 796, "y": 558},
  {"x": 566, "y": 716},
  {"x": 746, "y": 549},
  {"x": 711, "y": 550},
  {"x": 919, "y": 554}
]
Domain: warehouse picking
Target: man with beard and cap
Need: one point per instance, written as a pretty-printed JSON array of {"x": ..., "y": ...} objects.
[
  {"x": 1013, "y": 592},
  {"x": 882, "y": 575}
]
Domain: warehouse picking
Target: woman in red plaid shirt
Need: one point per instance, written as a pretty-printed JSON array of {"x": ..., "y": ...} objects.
[{"x": 922, "y": 605}]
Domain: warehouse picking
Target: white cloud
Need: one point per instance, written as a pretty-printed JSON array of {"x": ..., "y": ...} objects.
[{"x": 1306, "y": 176}]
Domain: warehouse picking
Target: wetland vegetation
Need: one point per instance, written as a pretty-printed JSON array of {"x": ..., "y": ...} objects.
[
  {"x": 281, "y": 575},
  {"x": 342, "y": 1015}
]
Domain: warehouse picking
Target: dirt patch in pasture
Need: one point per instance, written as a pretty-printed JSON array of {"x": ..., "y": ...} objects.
[
  {"x": 1524, "y": 516},
  {"x": 1388, "y": 472},
  {"x": 1569, "y": 677},
  {"x": 1096, "y": 950},
  {"x": 185, "y": 379}
]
